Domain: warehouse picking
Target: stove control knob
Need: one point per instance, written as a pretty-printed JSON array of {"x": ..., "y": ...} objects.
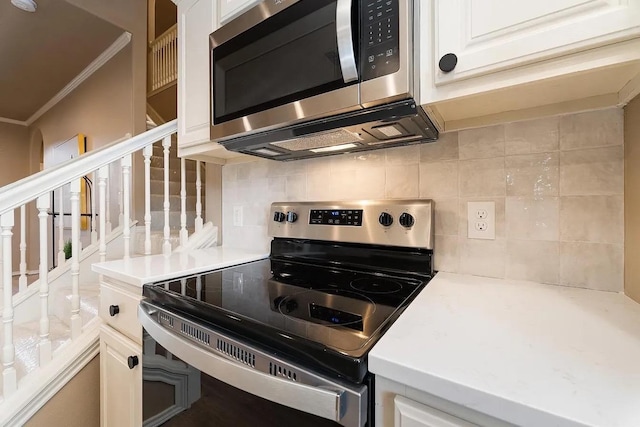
[
  {"x": 385, "y": 219},
  {"x": 406, "y": 220},
  {"x": 292, "y": 217},
  {"x": 278, "y": 217}
]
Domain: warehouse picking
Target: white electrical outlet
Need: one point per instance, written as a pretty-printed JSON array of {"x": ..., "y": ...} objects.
[
  {"x": 481, "y": 220},
  {"x": 237, "y": 216}
]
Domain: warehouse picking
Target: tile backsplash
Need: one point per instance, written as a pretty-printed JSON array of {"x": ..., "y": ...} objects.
[{"x": 557, "y": 184}]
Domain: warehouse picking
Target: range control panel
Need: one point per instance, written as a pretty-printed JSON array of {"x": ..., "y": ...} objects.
[
  {"x": 380, "y": 35},
  {"x": 406, "y": 223},
  {"x": 336, "y": 217}
]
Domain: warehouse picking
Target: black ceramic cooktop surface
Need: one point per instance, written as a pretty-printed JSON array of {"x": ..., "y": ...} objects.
[{"x": 313, "y": 314}]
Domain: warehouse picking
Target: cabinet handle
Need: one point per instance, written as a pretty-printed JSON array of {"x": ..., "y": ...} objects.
[
  {"x": 132, "y": 361},
  {"x": 448, "y": 62},
  {"x": 113, "y": 310}
]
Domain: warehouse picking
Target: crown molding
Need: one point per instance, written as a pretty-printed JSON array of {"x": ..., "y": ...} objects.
[
  {"x": 97, "y": 63},
  {"x": 12, "y": 121}
]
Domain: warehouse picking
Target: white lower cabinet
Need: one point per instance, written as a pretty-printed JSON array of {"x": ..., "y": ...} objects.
[
  {"x": 413, "y": 414},
  {"x": 399, "y": 405},
  {"x": 120, "y": 380}
]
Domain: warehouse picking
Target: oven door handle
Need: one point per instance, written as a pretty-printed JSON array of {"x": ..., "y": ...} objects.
[
  {"x": 344, "y": 33},
  {"x": 323, "y": 402}
]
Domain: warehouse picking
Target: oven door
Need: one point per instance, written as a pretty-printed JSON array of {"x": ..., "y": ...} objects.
[
  {"x": 282, "y": 62},
  {"x": 194, "y": 375}
]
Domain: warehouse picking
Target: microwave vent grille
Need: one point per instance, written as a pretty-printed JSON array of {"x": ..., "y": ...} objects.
[{"x": 322, "y": 140}]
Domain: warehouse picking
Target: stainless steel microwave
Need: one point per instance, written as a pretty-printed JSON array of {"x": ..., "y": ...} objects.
[{"x": 293, "y": 79}]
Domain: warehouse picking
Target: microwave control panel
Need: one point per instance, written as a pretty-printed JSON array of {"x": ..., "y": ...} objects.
[{"x": 380, "y": 48}]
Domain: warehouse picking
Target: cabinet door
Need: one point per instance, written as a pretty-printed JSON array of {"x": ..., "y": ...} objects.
[
  {"x": 229, "y": 9},
  {"x": 489, "y": 35},
  {"x": 196, "y": 20},
  {"x": 413, "y": 414},
  {"x": 120, "y": 386}
]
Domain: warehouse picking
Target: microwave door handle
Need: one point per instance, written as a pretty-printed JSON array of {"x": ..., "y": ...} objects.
[
  {"x": 324, "y": 402},
  {"x": 344, "y": 32}
]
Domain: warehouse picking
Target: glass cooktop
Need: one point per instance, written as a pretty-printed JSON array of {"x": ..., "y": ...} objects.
[{"x": 314, "y": 313}]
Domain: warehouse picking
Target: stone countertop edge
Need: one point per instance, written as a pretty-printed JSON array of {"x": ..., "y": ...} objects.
[
  {"x": 143, "y": 270},
  {"x": 526, "y": 353}
]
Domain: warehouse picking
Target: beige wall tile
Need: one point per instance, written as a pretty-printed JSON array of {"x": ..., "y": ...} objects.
[
  {"x": 319, "y": 186},
  {"x": 408, "y": 155},
  {"x": 230, "y": 173},
  {"x": 592, "y": 265},
  {"x": 595, "y": 171},
  {"x": 351, "y": 161},
  {"x": 500, "y": 215},
  {"x": 370, "y": 183},
  {"x": 482, "y": 178},
  {"x": 532, "y": 136},
  {"x": 277, "y": 187},
  {"x": 445, "y": 148},
  {"x": 439, "y": 179},
  {"x": 402, "y": 182},
  {"x": 482, "y": 257},
  {"x": 591, "y": 129},
  {"x": 342, "y": 185},
  {"x": 537, "y": 261},
  {"x": 296, "y": 187},
  {"x": 446, "y": 254},
  {"x": 481, "y": 143},
  {"x": 446, "y": 217},
  {"x": 598, "y": 219},
  {"x": 533, "y": 219},
  {"x": 533, "y": 175}
]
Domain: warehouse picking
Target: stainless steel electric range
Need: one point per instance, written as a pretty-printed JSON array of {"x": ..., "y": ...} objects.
[{"x": 284, "y": 341}]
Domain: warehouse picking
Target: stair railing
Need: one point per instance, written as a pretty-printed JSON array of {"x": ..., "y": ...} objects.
[
  {"x": 163, "y": 59},
  {"x": 38, "y": 187}
]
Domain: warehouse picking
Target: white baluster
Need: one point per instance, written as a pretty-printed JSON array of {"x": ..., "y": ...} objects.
[
  {"x": 94, "y": 226},
  {"x": 9, "y": 377},
  {"x": 103, "y": 176},
  {"x": 166, "y": 246},
  {"x": 61, "y": 257},
  {"x": 76, "y": 321},
  {"x": 147, "y": 152},
  {"x": 126, "y": 201},
  {"x": 120, "y": 202},
  {"x": 44, "y": 345},
  {"x": 108, "y": 208},
  {"x": 198, "y": 197},
  {"x": 22, "y": 282},
  {"x": 184, "y": 234}
]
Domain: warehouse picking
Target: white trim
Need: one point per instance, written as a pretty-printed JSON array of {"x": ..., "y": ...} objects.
[
  {"x": 12, "y": 121},
  {"x": 36, "y": 390},
  {"x": 97, "y": 63},
  {"x": 23, "y": 191},
  {"x": 629, "y": 91}
]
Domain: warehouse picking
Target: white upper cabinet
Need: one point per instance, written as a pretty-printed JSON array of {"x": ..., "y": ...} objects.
[
  {"x": 229, "y": 9},
  {"x": 196, "y": 20},
  {"x": 491, "y": 35}
]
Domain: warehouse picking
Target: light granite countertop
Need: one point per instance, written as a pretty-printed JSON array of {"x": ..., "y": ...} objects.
[
  {"x": 155, "y": 268},
  {"x": 526, "y": 353}
]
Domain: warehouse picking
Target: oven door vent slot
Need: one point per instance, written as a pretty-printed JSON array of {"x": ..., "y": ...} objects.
[
  {"x": 278, "y": 371},
  {"x": 165, "y": 319},
  {"x": 196, "y": 334},
  {"x": 236, "y": 353}
]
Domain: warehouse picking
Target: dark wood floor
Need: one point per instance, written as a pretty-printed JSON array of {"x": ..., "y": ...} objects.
[{"x": 224, "y": 406}]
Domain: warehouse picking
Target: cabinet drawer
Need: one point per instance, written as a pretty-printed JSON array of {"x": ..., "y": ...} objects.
[{"x": 126, "y": 319}]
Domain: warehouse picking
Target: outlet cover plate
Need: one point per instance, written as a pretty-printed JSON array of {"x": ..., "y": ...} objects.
[{"x": 481, "y": 220}]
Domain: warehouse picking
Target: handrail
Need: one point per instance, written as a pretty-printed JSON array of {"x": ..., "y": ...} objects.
[
  {"x": 14, "y": 195},
  {"x": 169, "y": 30}
]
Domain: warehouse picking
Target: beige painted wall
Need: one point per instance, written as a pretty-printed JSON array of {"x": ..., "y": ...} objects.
[
  {"x": 14, "y": 165},
  {"x": 632, "y": 198},
  {"x": 100, "y": 108},
  {"x": 77, "y": 404}
]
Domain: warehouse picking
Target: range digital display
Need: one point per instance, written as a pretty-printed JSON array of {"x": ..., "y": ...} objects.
[{"x": 336, "y": 217}]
